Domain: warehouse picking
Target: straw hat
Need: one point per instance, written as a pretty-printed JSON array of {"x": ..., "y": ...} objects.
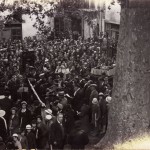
[
  {"x": 2, "y": 113},
  {"x": 108, "y": 99},
  {"x": 28, "y": 127},
  {"x": 15, "y": 135},
  {"x": 48, "y": 117},
  {"x": 49, "y": 111},
  {"x": 101, "y": 94},
  {"x": 95, "y": 101}
]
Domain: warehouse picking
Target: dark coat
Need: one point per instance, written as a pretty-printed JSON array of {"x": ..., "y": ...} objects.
[
  {"x": 94, "y": 94},
  {"x": 42, "y": 137},
  {"x": 78, "y": 100},
  {"x": 84, "y": 118},
  {"x": 13, "y": 124},
  {"x": 3, "y": 130},
  {"x": 87, "y": 92},
  {"x": 69, "y": 117},
  {"x": 78, "y": 139},
  {"x": 24, "y": 118},
  {"x": 2, "y": 146},
  {"x": 57, "y": 135},
  {"x": 31, "y": 140},
  {"x": 104, "y": 112}
]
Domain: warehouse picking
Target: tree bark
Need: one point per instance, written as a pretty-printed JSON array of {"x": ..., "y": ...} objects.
[{"x": 129, "y": 110}]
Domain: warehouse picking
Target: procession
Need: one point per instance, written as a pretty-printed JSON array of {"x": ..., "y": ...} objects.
[{"x": 55, "y": 92}]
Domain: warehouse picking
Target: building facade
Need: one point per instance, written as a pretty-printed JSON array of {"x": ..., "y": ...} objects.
[
  {"x": 11, "y": 30},
  {"x": 89, "y": 20}
]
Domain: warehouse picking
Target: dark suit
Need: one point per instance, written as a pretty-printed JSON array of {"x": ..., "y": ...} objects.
[
  {"x": 57, "y": 135},
  {"x": 78, "y": 139},
  {"x": 13, "y": 124},
  {"x": 31, "y": 140},
  {"x": 3, "y": 129},
  {"x": 42, "y": 136},
  {"x": 24, "y": 118},
  {"x": 78, "y": 100}
]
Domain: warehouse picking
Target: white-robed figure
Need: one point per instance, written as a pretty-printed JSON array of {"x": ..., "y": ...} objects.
[
  {"x": 3, "y": 125},
  {"x": 62, "y": 68}
]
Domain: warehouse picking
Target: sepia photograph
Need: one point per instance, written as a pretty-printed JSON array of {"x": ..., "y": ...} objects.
[{"x": 74, "y": 74}]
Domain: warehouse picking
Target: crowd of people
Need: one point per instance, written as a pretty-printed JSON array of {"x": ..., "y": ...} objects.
[{"x": 50, "y": 97}]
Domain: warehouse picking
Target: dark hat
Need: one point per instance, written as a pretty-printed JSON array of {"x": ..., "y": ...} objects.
[
  {"x": 61, "y": 93},
  {"x": 33, "y": 121},
  {"x": 14, "y": 108},
  {"x": 39, "y": 117}
]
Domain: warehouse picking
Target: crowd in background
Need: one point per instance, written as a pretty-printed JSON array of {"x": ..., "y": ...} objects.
[{"x": 51, "y": 99}]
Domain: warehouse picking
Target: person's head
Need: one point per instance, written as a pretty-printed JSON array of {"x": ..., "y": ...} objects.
[
  {"x": 33, "y": 124},
  {"x": 39, "y": 119},
  {"x": 28, "y": 128},
  {"x": 60, "y": 117},
  {"x": 23, "y": 133},
  {"x": 13, "y": 110},
  {"x": 15, "y": 137},
  {"x": 1, "y": 139},
  {"x": 24, "y": 105},
  {"x": 101, "y": 96}
]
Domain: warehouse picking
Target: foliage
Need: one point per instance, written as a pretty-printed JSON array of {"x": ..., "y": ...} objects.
[
  {"x": 43, "y": 10},
  {"x": 40, "y": 11}
]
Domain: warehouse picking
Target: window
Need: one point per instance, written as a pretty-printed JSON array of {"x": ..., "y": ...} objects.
[{"x": 16, "y": 34}]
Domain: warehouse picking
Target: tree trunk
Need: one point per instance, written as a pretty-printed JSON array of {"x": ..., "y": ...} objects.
[{"x": 129, "y": 110}]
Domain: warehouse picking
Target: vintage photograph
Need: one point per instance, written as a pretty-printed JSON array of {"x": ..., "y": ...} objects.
[{"x": 75, "y": 74}]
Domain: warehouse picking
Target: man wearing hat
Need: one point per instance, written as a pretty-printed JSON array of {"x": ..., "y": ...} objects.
[
  {"x": 95, "y": 113},
  {"x": 104, "y": 113},
  {"x": 57, "y": 137},
  {"x": 42, "y": 135},
  {"x": 78, "y": 99},
  {"x": 49, "y": 118},
  {"x": 30, "y": 137},
  {"x": 62, "y": 98},
  {"x": 24, "y": 115},
  {"x": 94, "y": 93}
]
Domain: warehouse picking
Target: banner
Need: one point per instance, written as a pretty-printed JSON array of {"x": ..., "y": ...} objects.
[
  {"x": 109, "y": 72},
  {"x": 36, "y": 94}
]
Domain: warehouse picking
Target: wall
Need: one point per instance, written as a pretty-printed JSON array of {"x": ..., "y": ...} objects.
[
  {"x": 113, "y": 15},
  {"x": 27, "y": 27}
]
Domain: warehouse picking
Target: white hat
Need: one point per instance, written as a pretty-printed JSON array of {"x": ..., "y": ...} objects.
[
  {"x": 95, "y": 101},
  {"x": 101, "y": 94},
  {"x": 28, "y": 127},
  {"x": 2, "y": 113},
  {"x": 108, "y": 99},
  {"x": 15, "y": 135},
  {"x": 49, "y": 111},
  {"x": 24, "y": 102},
  {"x": 46, "y": 60},
  {"x": 48, "y": 117}
]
